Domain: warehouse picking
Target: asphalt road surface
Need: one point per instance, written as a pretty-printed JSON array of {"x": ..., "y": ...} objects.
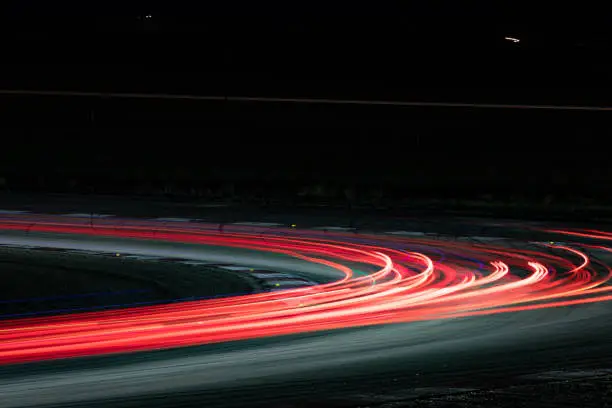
[{"x": 417, "y": 362}]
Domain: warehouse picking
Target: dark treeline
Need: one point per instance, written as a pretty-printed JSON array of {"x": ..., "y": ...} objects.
[{"x": 219, "y": 150}]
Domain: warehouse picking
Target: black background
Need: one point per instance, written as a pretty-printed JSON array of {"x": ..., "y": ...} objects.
[{"x": 407, "y": 51}]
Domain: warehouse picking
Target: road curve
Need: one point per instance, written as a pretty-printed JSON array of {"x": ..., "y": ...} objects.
[{"x": 408, "y": 308}]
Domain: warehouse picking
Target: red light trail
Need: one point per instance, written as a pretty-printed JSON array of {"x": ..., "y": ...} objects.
[{"x": 413, "y": 280}]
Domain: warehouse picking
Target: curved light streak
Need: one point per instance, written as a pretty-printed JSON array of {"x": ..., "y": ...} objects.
[{"x": 414, "y": 279}]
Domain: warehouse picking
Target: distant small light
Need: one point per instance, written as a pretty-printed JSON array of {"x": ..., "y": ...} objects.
[
  {"x": 293, "y": 225},
  {"x": 148, "y": 16},
  {"x": 117, "y": 254},
  {"x": 514, "y": 40},
  {"x": 277, "y": 285}
]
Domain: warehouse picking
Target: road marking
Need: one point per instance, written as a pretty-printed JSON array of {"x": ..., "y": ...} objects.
[
  {"x": 197, "y": 263},
  {"x": 175, "y": 219},
  {"x": 52, "y": 249},
  {"x": 237, "y": 268},
  {"x": 408, "y": 233},
  {"x": 84, "y": 252},
  {"x": 142, "y": 257},
  {"x": 14, "y": 212},
  {"x": 558, "y": 243},
  {"x": 87, "y": 215},
  {"x": 271, "y": 275},
  {"x": 258, "y": 224},
  {"x": 293, "y": 283}
]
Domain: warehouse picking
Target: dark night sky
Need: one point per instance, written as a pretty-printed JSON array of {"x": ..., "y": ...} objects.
[
  {"x": 451, "y": 51},
  {"x": 414, "y": 50},
  {"x": 365, "y": 49}
]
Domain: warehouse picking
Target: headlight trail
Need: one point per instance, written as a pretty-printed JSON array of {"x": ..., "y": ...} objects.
[{"x": 414, "y": 279}]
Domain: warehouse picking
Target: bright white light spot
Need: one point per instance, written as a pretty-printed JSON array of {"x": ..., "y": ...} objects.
[{"x": 514, "y": 40}]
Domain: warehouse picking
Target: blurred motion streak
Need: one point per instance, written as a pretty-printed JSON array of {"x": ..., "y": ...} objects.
[{"x": 415, "y": 279}]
